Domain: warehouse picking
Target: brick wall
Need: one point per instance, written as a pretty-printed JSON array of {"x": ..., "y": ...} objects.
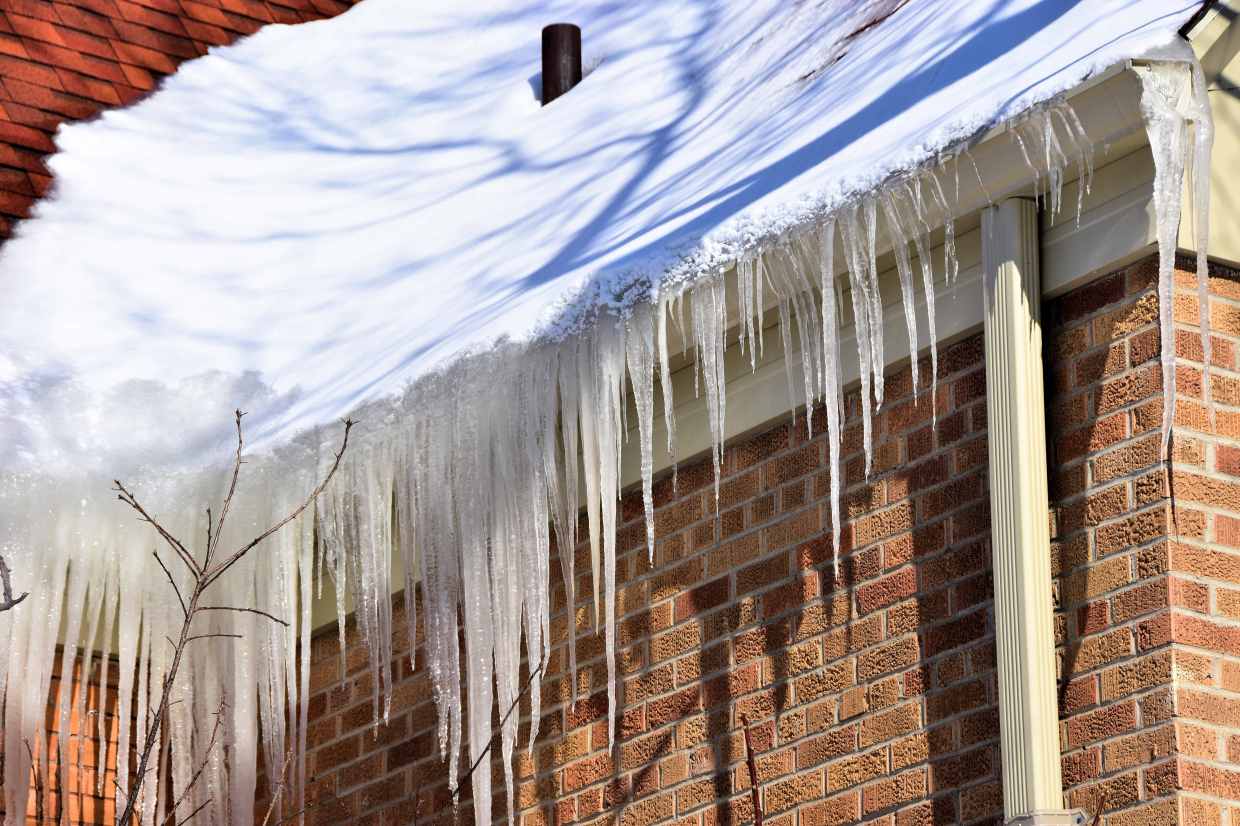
[
  {"x": 1147, "y": 622},
  {"x": 1110, "y": 547},
  {"x": 76, "y": 787},
  {"x": 1204, "y": 615},
  {"x": 869, "y": 685}
]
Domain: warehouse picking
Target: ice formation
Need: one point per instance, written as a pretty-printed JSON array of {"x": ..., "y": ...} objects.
[
  {"x": 466, "y": 479},
  {"x": 471, "y": 474},
  {"x": 1181, "y": 133}
]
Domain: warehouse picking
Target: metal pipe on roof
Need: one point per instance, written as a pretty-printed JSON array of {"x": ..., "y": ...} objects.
[{"x": 561, "y": 59}]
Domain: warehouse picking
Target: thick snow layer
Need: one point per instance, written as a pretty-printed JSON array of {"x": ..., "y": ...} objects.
[{"x": 322, "y": 213}]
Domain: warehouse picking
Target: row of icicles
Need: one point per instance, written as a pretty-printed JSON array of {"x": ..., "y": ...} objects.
[{"x": 465, "y": 482}]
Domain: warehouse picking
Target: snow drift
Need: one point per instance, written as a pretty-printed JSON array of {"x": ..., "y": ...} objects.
[{"x": 373, "y": 215}]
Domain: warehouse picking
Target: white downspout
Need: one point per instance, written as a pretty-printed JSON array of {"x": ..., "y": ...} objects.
[{"x": 1016, "y": 421}]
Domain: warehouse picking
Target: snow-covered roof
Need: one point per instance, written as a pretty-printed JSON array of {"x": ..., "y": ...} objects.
[{"x": 322, "y": 213}]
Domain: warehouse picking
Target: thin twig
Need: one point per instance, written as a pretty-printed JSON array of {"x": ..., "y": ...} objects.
[
  {"x": 243, "y": 611},
  {"x": 212, "y": 574},
  {"x": 279, "y": 790},
  {"x": 38, "y": 784},
  {"x": 213, "y": 636},
  {"x": 191, "y": 815},
  {"x": 172, "y": 582},
  {"x": 206, "y": 758},
  {"x": 1100, "y": 806},
  {"x": 516, "y": 702},
  {"x": 232, "y": 490},
  {"x": 754, "y": 794},
  {"x": 327, "y": 799},
  {"x": 6, "y": 583},
  {"x": 123, "y": 494}
]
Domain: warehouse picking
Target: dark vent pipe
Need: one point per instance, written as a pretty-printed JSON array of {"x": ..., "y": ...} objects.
[{"x": 561, "y": 59}]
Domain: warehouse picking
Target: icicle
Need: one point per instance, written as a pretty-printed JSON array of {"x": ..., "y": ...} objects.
[
  {"x": 921, "y": 240},
  {"x": 608, "y": 377},
  {"x": 639, "y": 345},
  {"x": 1082, "y": 151},
  {"x": 861, "y": 325},
  {"x": 1199, "y": 164},
  {"x": 832, "y": 391},
  {"x": 1170, "y": 105},
  {"x": 1056, "y": 162},
  {"x": 759, "y": 301},
  {"x": 665, "y": 379},
  {"x": 899, "y": 243},
  {"x": 785, "y": 336},
  {"x": 978, "y": 173},
  {"x": 1024, "y": 151},
  {"x": 110, "y": 611},
  {"x": 591, "y": 454},
  {"x": 797, "y": 291},
  {"x": 566, "y": 532},
  {"x": 710, "y": 322},
  {"x": 875, "y": 297}
]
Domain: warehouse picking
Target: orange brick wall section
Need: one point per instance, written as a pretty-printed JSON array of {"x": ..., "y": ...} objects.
[
  {"x": 1204, "y": 617},
  {"x": 1149, "y": 626},
  {"x": 1110, "y": 548},
  {"x": 75, "y": 787},
  {"x": 66, "y": 60}
]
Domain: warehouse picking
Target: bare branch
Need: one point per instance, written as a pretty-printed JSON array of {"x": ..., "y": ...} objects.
[
  {"x": 232, "y": 490},
  {"x": 204, "y": 576},
  {"x": 754, "y": 793},
  {"x": 191, "y": 815},
  {"x": 213, "y": 636},
  {"x": 279, "y": 790},
  {"x": 123, "y": 494},
  {"x": 6, "y": 584},
  {"x": 37, "y": 780},
  {"x": 243, "y": 611},
  {"x": 212, "y": 574},
  {"x": 516, "y": 702},
  {"x": 171, "y": 582},
  {"x": 206, "y": 758}
]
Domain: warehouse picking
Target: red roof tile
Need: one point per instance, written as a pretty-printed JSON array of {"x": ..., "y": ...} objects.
[{"x": 66, "y": 60}]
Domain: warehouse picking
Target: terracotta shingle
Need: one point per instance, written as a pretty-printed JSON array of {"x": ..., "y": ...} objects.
[
  {"x": 83, "y": 20},
  {"x": 65, "y": 60},
  {"x": 151, "y": 18},
  {"x": 59, "y": 103}
]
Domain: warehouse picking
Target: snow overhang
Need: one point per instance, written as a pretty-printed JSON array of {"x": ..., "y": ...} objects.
[{"x": 321, "y": 214}]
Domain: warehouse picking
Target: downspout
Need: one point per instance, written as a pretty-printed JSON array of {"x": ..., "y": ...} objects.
[{"x": 1016, "y": 428}]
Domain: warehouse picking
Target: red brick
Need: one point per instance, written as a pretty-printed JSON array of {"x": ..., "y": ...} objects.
[{"x": 887, "y": 591}]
